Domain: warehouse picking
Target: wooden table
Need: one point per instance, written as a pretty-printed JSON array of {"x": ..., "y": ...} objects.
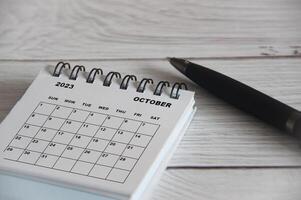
[{"x": 225, "y": 154}]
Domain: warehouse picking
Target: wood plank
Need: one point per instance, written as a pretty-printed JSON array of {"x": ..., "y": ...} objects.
[
  {"x": 276, "y": 184},
  {"x": 219, "y": 135},
  {"x": 213, "y": 184},
  {"x": 148, "y": 29}
]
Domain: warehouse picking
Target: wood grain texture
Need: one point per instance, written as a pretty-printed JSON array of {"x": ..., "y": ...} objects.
[
  {"x": 92, "y": 29},
  {"x": 219, "y": 134},
  {"x": 257, "y": 42},
  {"x": 211, "y": 184}
]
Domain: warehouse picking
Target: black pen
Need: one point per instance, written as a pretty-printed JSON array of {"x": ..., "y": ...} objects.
[{"x": 242, "y": 96}]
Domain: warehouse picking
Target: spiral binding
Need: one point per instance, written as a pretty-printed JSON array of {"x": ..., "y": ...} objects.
[
  {"x": 159, "y": 88},
  {"x": 92, "y": 74},
  {"x": 174, "y": 93},
  {"x": 75, "y": 70},
  {"x": 177, "y": 87},
  {"x": 108, "y": 79},
  {"x": 126, "y": 80},
  {"x": 142, "y": 84},
  {"x": 58, "y": 68}
]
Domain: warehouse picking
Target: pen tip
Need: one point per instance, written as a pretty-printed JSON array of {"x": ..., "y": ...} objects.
[
  {"x": 178, "y": 63},
  {"x": 169, "y": 58}
]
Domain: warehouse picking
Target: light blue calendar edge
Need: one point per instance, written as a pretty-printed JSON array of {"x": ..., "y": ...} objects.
[{"x": 15, "y": 188}]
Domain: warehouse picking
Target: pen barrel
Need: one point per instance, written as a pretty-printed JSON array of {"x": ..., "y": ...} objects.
[{"x": 246, "y": 98}]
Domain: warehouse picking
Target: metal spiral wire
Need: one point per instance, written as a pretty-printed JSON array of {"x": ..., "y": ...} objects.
[{"x": 174, "y": 93}]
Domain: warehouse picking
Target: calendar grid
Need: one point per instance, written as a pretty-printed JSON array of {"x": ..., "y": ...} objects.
[
  {"x": 62, "y": 170},
  {"x": 124, "y": 149},
  {"x": 144, "y": 149},
  {"x": 82, "y": 142},
  {"x": 57, "y": 133},
  {"x": 54, "y": 135},
  {"x": 61, "y": 156},
  {"x": 79, "y": 146},
  {"x": 98, "y": 113},
  {"x": 79, "y": 134},
  {"x": 68, "y": 145},
  {"x": 21, "y": 128},
  {"x": 90, "y": 141},
  {"x": 36, "y": 133},
  {"x": 106, "y": 148}
]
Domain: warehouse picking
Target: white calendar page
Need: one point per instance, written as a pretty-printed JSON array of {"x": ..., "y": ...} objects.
[{"x": 88, "y": 136}]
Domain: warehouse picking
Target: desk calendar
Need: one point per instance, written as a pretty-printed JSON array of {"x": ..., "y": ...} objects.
[
  {"x": 80, "y": 141},
  {"x": 98, "y": 133}
]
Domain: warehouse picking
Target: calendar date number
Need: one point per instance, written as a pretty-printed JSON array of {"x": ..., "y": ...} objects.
[{"x": 64, "y": 85}]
